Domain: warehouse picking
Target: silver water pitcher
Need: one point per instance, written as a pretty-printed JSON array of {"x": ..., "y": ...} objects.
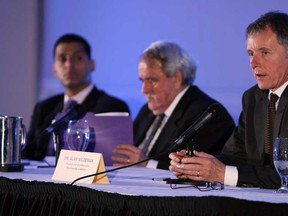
[{"x": 12, "y": 141}]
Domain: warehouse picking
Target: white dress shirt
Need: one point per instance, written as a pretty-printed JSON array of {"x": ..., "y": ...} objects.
[{"x": 81, "y": 96}]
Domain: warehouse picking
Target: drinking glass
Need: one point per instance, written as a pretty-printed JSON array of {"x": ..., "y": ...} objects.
[
  {"x": 280, "y": 156},
  {"x": 78, "y": 135}
]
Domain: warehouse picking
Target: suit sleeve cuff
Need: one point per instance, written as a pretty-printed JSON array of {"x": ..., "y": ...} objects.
[{"x": 231, "y": 176}]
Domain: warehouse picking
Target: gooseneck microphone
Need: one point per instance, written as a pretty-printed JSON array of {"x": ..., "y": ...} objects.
[
  {"x": 207, "y": 116},
  {"x": 187, "y": 135},
  {"x": 73, "y": 113}
]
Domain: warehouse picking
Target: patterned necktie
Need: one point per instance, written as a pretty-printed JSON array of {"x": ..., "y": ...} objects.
[
  {"x": 68, "y": 105},
  {"x": 151, "y": 133},
  {"x": 269, "y": 128}
]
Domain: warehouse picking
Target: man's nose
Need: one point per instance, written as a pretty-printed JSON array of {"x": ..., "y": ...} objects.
[
  {"x": 146, "y": 87},
  {"x": 69, "y": 62},
  {"x": 254, "y": 61}
]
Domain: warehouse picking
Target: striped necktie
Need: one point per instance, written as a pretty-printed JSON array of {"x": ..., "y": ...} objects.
[
  {"x": 269, "y": 128},
  {"x": 151, "y": 133},
  {"x": 68, "y": 105}
]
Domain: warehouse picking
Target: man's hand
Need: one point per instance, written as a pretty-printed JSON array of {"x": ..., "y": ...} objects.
[
  {"x": 127, "y": 154},
  {"x": 202, "y": 166},
  {"x": 176, "y": 158}
]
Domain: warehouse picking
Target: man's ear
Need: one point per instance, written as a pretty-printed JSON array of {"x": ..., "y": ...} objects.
[
  {"x": 92, "y": 65},
  {"x": 54, "y": 70},
  {"x": 178, "y": 78}
]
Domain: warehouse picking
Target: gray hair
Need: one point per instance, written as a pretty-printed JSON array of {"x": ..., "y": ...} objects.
[
  {"x": 277, "y": 21},
  {"x": 173, "y": 58}
]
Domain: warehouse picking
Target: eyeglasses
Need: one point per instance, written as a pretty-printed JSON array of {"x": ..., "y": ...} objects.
[{"x": 200, "y": 185}]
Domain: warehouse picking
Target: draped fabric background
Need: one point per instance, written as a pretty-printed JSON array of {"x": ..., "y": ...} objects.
[{"x": 213, "y": 32}]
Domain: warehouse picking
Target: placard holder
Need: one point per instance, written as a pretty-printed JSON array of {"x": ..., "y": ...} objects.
[
  {"x": 74, "y": 164},
  {"x": 101, "y": 179}
]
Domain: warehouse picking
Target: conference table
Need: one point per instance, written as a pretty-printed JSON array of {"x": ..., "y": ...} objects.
[{"x": 132, "y": 191}]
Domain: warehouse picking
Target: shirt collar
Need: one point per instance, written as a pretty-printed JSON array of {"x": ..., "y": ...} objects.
[
  {"x": 80, "y": 97},
  {"x": 170, "y": 109},
  {"x": 280, "y": 90}
]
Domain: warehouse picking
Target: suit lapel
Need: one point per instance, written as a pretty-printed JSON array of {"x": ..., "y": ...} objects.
[
  {"x": 162, "y": 142},
  {"x": 282, "y": 106},
  {"x": 55, "y": 110},
  {"x": 91, "y": 99},
  {"x": 260, "y": 111},
  {"x": 172, "y": 126},
  {"x": 146, "y": 121},
  {"x": 167, "y": 133}
]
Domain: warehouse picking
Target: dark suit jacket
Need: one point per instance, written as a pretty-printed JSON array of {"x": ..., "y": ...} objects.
[
  {"x": 97, "y": 101},
  {"x": 245, "y": 148},
  {"x": 194, "y": 102}
]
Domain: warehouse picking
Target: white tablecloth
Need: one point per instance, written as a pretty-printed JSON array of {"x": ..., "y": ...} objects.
[{"x": 138, "y": 181}]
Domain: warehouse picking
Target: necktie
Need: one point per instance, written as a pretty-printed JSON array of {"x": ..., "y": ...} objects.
[
  {"x": 269, "y": 128},
  {"x": 151, "y": 133},
  {"x": 68, "y": 105}
]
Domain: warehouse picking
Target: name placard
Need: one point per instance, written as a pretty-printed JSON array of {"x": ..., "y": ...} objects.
[{"x": 74, "y": 164}]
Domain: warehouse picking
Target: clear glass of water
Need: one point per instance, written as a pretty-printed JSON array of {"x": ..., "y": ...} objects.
[
  {"x": 78, "y": 135},
  {"x": 280, "y": 156}
]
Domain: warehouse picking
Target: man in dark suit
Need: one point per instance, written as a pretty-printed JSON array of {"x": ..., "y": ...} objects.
[
  {"x": 73, "y": 66},
  {"x": 244, "y": 160},
  {"x": 167, "y": 73}
]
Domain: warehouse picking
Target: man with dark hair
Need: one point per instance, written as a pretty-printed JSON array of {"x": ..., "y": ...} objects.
[
  {"x": 167, "y": 74},
  {"x": 246, "y": 157},
  {"x": 73, "y": 67}
]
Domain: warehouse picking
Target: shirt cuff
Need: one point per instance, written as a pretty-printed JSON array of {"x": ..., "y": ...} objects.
[
  {"x": 231, "y": 176},
  {"x": 152, "y": 164}
]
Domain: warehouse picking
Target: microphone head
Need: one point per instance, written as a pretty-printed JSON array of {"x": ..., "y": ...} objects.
[
  {"x": 209, "y": 114},
  {"x": 76, "y": 112},
  {"x": 214, "y": 109}
]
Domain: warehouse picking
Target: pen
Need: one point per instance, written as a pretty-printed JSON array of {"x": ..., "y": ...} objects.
[
  {"x": 45, "y": 166},
  {"x": 160, "y": 179}
]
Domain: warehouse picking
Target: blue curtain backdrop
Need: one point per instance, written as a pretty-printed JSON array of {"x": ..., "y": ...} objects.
[{"x": 213, "y": 32}]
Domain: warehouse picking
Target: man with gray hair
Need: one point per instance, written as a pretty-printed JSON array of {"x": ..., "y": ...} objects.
[{"x": 173, "y": 103}]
